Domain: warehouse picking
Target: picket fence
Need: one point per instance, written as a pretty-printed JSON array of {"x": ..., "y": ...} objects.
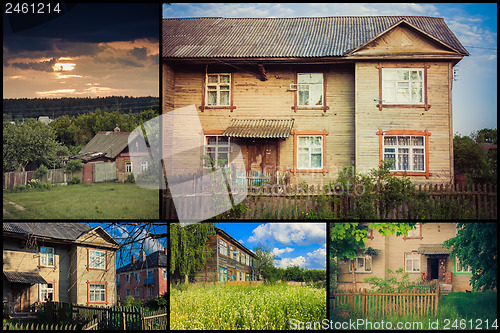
[
  {"x": 122, "y": 318},
  {"x": 299, "y": 202},
  {"x": 92, "y": 325},
  {"x": 381, "y": 304}
]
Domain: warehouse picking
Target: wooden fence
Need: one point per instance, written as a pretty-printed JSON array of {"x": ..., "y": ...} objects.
[
  {"x": 38, "y": 327},
  {"x": 121, "y": 318},
  {"x": 279, "y": 202},
  {"x": 55, "y": 176},
  {"x": 381, "y": 304}
]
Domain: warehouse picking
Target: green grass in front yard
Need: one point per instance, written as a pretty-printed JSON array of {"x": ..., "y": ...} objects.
[
  {"x": 83, "y": 201},
  {"x": 456, "y": 311}
]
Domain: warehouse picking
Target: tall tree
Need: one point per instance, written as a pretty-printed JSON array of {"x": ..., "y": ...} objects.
[
  {"x": 264, "y": 263},
  {"x": 188, "y": 251},
  {"x": 29, "y": 142},
  {"x": 348, "y": 239},
  {"x": 475, "y": 245}
]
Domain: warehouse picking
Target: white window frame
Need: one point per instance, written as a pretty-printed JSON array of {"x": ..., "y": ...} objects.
[
  {"x": 413, "y": 258},
  {"x": 94, "y": 256},
  {"x": 222, "y": 247},
  {"x": 459, "y": 268},
  {"x": 398, "y": 150},
  {"x": 218, "y": 148},
  {"x": 165, "y": 274},
  {"x": 360, "y": 264},
  {"x": 312, "y": 88},
  {"x": 128, "y": 166},
  {"x": 396, "y": 85},
  {"x": 217, "y": 87},
  {"x": 97, "y": 294},
  {"x": 414, "y": 233},
  {"x": 247, "y": 260},
  {"x": 45, "y": 257},
  {"x": 144, "y": 166},
  {"x": 46, "y": 289},
  {"x": 311, "y": 150}
]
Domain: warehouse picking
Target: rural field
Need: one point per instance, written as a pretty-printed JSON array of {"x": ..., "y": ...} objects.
[
  {"x": 224, "y": 307},
  {"x": 456, "y": 311},
  {"x": 83, "y": 201}
]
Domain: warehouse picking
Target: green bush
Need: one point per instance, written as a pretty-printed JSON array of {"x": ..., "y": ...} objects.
[
  {"x": 130, "y": 179},
  {"x": 74, "y": 165},
  {"x": 74, "y": 180},
  {"x": 41, "y": 171}
]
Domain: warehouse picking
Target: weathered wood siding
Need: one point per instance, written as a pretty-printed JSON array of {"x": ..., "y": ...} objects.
[
  {"x": 273, "y": 99},
  {"x": 437, "y": 120}
]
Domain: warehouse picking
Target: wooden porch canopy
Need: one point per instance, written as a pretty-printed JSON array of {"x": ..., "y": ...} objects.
[
  {"x": 24, "y": 277},
  {"x": 260, "y": 128},
  {"x": 428, "y": 249}
]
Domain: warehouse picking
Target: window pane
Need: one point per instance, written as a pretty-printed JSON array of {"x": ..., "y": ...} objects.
[
  {"x": 225, "y": 79},
  {"x": 303, "y": 158},
  {"x": 212, "y": 98},
  {"x": 224, "y": 98},
  {"x": 316, "y": 161},
  {"x": 303, "y": 97},
  {"x": 213, "y": 78},
  {"x": 404, "y": 141}
]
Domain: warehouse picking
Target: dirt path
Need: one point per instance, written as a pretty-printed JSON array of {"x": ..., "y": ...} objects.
[{"x": 19, "y": 207}]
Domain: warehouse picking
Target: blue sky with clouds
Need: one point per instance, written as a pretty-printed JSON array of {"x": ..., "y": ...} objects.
[
  {"x": 294, "y": 244},
  {"x": 475, "y": 25}
]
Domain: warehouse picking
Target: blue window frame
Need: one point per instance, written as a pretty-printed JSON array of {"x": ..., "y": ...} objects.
[{"x": 223, "y": 274}]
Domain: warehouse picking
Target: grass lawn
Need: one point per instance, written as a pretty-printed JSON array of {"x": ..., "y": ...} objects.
[
  {"x": 456, "y": 311},
  {"x": 83, "y": 201},
  {"x": 230, "y": 307}
]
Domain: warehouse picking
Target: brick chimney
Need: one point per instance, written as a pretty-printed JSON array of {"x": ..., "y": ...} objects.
[
  {"x": 133, "y": 259},
  {"x": 142, "y": 255},
  {"x": 165, "y": 251}
]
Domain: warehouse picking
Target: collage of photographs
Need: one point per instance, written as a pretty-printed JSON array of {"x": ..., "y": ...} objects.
[{"x": 249, "y": 166}]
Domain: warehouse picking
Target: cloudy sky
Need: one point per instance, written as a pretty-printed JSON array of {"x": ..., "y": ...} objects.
[
  {"x": 294, "y": 244},
  {"x": 475, "y": 25},
  {"x": 88, "y": 50}
]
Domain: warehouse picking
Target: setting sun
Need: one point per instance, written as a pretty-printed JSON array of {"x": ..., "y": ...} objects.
[{"x": 58, "y": 67}]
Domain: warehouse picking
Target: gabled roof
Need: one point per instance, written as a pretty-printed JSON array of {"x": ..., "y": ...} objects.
[
  {"x": 56, "y": 230},
  {"x": 109, "y": 143},
  {"x": 227, "y": 236},
  {"x": 288, "y": 37},
  {"x": 155, "y": 259}
]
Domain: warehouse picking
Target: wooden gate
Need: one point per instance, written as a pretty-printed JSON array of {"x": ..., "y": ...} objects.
[{"x": 104, "y": 171}]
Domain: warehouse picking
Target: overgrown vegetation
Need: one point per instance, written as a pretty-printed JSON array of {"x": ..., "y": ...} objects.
[{"x": 399, "y": 281}]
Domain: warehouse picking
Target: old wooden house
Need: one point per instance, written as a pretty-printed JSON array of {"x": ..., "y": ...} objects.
[
  {"x": 310, "y": 96},
  {"x": 64, "y": 261},
  {"x": 144, "y": 278},
  {"x": 420, "y": 253},
  {"x": 228, "y": 261},
  {"x": 107, "y": 157}
]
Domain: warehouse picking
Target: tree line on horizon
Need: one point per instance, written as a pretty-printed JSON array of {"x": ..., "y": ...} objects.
[{"x": 18, "y": 109}]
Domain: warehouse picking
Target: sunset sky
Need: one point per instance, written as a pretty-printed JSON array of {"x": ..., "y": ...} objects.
[
  {"x": 89, "y": 50},
  {"x": 475, "y": 25}
]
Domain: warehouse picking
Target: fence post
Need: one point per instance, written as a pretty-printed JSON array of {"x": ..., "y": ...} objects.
[
  {"x": 363, "y": 295},
  {"x": 437, "y": 300},
  {"x": 123, "y": 319},
  {"x": 143, "y": 320}
]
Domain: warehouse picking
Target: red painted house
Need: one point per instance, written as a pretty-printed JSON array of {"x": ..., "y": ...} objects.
[{"x": 144, "y": 278}]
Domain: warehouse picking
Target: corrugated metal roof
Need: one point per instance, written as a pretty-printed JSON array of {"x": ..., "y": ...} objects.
[
  {"x": 111, "y": 143},
  {"x": 433, "y": 249},
  {"x": 24, "y": 277},
  {"x": 286, "y": 37},
  {"x": 259, "y": 128},
  {"x": 56, "y": 230}
]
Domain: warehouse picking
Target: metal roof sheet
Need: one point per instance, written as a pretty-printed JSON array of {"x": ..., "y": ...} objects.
[
  {"x": 433, "y": 249},
  {"x": 259, "y": 128},
  {"x": 155, "y": 259},
  {"x": 286, "y": 37},
  {"x": 56, "y": 230},
  {"x": 24, "y": 277},
  {"x": 111, "y": 143}
]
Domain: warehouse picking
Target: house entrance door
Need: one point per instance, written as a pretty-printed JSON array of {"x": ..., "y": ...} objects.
[
  {"x": 21, "y": 295},
  {"x": 436, "y": 268},
  {"x": 262, "y": 156}
]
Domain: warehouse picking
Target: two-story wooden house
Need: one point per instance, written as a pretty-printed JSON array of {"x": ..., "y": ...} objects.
[
  {"x": 64, "y": 261},
  {"x": 228, "y": 261},
  {"x": 420, "y": 253},
  {"x": 144, "y": 278},
  {"x": 313, "y": 95}
]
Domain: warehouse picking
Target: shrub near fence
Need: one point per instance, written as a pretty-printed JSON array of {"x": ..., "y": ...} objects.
[
  {"x": 299, "y": 202},
  {"x": 382, "y": 304}
]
